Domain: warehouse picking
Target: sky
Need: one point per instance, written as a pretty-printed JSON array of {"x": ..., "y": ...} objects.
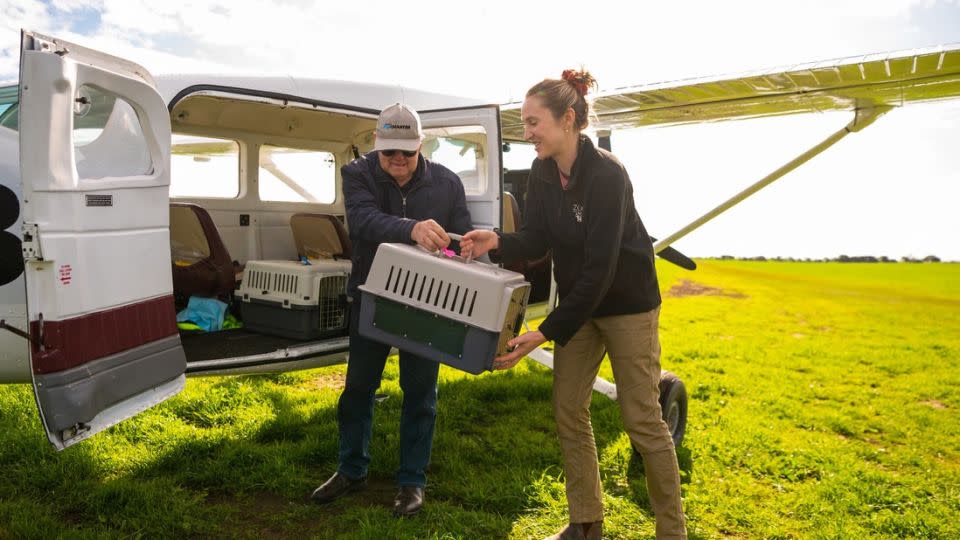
[{"x": 890, "y": 190}]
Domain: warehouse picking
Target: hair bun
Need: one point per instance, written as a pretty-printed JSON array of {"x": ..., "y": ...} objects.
[{"x": 581, "y": 79}]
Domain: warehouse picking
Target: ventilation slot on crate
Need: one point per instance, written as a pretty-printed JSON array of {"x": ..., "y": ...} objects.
[
  {"x": 453, "y": 304},
  {"x": 285, "y": 283},
  {"x": 422, "y": 283},
  {"x": 257, "y": 280},
  {"x": 406, "y": 281},
  {"x": 473, "y": 302},
  {"x": 411, "y": 294}
]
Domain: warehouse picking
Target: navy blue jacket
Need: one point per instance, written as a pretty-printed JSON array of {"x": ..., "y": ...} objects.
[{"x": 379, "y": 211}]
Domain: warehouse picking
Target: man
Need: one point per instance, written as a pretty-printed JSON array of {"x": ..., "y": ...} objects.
[{"x": 392, "y": 194}]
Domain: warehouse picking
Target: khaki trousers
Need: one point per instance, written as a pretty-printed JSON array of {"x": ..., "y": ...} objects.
[{"x": 633, "y": 344}]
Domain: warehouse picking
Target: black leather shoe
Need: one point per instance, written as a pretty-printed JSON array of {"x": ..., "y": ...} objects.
[
  {"x": 337, "y": 486},
  {"x": 409, "y": 501}
]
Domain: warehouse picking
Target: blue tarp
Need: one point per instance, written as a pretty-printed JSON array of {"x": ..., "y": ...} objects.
[{"x": 207, "y": 313}]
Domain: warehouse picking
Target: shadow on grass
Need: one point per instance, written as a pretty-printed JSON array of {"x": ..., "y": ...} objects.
[{"x": 495, "y": 438}]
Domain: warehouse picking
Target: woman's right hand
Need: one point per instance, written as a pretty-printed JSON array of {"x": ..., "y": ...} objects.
[{"x": 478, "y": 242}]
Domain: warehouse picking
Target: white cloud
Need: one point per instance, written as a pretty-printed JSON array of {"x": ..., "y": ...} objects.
[
  {"x": 12, "y": 16},
  {"x": 77, "y": 5},
  {"x": 497, "y": 49}
]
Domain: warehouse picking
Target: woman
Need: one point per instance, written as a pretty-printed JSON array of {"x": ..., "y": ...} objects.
[{"x": 580, "y": 206}]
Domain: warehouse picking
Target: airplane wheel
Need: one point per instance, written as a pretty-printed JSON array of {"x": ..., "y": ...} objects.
[{"x": 673, "y": 403}]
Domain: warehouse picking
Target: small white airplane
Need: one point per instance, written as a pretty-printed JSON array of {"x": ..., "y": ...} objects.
[{"x": 121, "y": 195}]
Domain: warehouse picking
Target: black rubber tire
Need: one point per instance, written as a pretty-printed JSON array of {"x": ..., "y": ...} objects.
[{"x": 673, "y": 404}]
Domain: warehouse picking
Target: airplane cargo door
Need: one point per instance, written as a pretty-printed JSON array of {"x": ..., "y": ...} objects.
[{"x": 94, "y": 163}]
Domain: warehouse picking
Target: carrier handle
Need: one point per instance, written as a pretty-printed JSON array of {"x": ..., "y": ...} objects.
[
  {"x": 453, "y": 236},
  {"x": 458, "y": 238}
]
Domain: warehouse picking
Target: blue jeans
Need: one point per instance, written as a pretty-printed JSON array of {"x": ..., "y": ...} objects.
[{"x": 418, "y": 380}]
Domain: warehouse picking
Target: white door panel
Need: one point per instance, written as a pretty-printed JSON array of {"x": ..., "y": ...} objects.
[
  {"x": 96, "y": 271},
  {"x": 51, "y": 121},
  {"x": 94, "y": 162},
  {"x": 99, "y": 209}
]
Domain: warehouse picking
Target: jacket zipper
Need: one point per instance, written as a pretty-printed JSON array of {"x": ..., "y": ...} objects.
[{"x": 403, "y": 198}]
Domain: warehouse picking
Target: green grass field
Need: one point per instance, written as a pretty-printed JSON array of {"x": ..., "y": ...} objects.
[{"x": 824, "y": 403}]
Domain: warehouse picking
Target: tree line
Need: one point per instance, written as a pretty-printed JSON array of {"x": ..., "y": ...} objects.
[{"x": 841, "y": 258}]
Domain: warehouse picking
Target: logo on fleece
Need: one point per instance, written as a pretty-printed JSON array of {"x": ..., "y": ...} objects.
[{"x": 578, "y": 212}]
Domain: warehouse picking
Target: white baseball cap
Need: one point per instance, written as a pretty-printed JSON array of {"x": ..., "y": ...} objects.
[{"x": 398, "y": 128}]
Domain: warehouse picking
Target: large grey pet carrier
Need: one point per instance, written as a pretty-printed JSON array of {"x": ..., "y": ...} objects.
[
  {"x": 294, "y": 300},
  {"x": 444, "y": 308}
]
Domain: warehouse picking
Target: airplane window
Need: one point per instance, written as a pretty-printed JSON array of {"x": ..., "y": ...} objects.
[
  {"x": 108, "y": 139},
  {"x": 204, "y": 167},
  {"x": 519, "y": 156},
  {"x": 462, "y": 150},
  {"x": 9, "y": 107},
  {"x": 297, "y": 175}
]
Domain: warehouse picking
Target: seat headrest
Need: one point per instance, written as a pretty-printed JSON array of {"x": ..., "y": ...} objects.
[
  {"x": 319, "y": 235},
  {"x": 188, "y": 241},
  {"x": 511, "y": 213}
]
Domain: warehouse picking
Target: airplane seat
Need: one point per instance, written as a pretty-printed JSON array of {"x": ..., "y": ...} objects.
[
  {"x": 511, "y": 213},
  {"x": 201, "y": 264},
  {"x": 515, "y": 181},
  {"x": 511, "y": 223},
  {"x": 320, "y": 235}
]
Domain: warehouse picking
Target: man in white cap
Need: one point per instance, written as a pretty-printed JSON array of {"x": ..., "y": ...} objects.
[{"x": 392, "y": 194}]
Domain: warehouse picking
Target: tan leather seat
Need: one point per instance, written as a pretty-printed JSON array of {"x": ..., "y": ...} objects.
[
  {"x": 511, "y": 213},
  {"x": 511, "y": 223},
  {"x": 201, "y": 264},
  {"x": 320, "y": 236}
]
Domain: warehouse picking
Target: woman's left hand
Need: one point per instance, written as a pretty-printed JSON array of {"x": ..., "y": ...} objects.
[{"x": 522, "y": 344}]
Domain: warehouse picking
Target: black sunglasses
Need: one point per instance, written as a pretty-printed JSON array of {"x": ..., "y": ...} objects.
[{"x": 406, "y": 153}]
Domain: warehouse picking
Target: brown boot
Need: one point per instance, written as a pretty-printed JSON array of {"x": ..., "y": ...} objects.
[{"x": 580, "y": 531}]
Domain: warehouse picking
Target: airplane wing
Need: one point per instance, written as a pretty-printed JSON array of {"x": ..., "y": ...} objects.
[{"x": 890, "y": 79}]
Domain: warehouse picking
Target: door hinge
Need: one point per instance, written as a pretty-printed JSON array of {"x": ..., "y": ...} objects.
[
  {"x": 31, "y": 243},
  {"x": 46, "y": 44},
  {"x": 74, "y": 431}
]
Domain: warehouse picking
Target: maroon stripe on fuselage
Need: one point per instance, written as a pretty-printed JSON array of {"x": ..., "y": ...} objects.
[{"x": 74, "y": 342}]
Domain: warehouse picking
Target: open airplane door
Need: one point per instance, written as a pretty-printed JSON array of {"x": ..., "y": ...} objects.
[
  {"x": 467, "y": 141},
  {"x": 95, "y": 167}
]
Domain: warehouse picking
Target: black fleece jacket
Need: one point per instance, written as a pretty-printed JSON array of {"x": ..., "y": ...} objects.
[{"x": 602, "y": 255}]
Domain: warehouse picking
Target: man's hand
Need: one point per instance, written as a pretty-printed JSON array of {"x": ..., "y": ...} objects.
[
  {"x": 430, "y": 235},
  {"x": 522, "y": 344},
  {"x": 477, "y": 243}
]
